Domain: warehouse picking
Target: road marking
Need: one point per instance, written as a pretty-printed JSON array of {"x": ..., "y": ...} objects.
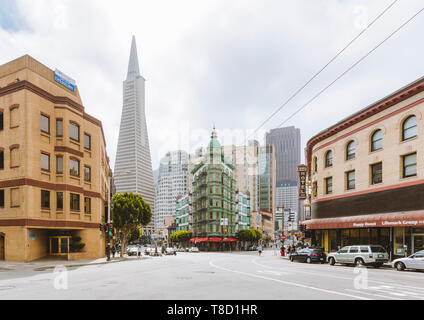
[
  {"x": 289, "y": 283},
  {"x": 373, "y": 294},
  {"x": 335, "y": 277},
  {"x": 275, "y": 273}
]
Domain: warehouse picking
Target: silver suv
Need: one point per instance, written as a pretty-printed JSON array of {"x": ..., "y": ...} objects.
[{"x": 359, "y": 255}]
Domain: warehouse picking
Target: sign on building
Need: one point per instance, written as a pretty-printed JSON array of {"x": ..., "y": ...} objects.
[
  {"x": 301, "y": 170},
  {"x": 64, "y": 80}
]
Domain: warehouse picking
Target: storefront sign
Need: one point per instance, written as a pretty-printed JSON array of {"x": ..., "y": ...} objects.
[
  {"x": 64, "y": 80},
  {"x": 301, "y": 170},
  {"x": 32, "y": 236}
]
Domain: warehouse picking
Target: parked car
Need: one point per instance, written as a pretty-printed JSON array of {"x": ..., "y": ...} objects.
[
  {"x": 358, "y": 255},
  {"x": 308, "y": 255},
  {"x": 415, "y": 261},
  {"x": 132, "y": 250},
  {"x": 194, "y": 249},
  {"x": 170, "y": 251},
  {"x": 252, "y": 248}
]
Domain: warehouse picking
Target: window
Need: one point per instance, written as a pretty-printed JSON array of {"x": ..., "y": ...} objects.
[
  {"x": 59, "y": 200},
  {"x": 354, "y": 250},
  {"x": 377, "y": 140},
  {"x": 344, "y": 250},
  {"x": 45, "y": 124},
  {"x": 87, "y": 173},
  {"x": 1, "y": 159},
  {"x": 59, "y": 128},
  {"x": 377, "y": 173},
  {"x": 14, "y": 157},
  {"x": 74, "y": 131},
  {"x": 409, "y": 128},
  {"x": 14, "y": 197},
  {"x": 315, "y": 164},
  {"x": 59, "y": 164},
  {"x": 1, "y": 198},
  {"x": 87, "y": 205},
  {"x": 364, "y": 250},
  {"x": 74, "y": 167},
  {"x": 350, "y": 180},
  {"x": 329, "y": 159},
  {"x": 329, "y": 185},
  {"x": 45, "y": 199},
  {"x": 75, "y": 202},
  {"x": 87, "y": 141},
  {"x": 45, "y": 162},
  {"x": 14, "y": 118},
  {"x": 351, "y": 150},
  {"x": 1, "y": 120},
  {"x": 410, "y": 165}
]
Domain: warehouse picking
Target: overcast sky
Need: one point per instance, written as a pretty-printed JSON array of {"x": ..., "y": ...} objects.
[{"x": 229, "y": 62}]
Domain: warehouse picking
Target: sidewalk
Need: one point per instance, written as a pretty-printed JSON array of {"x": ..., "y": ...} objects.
[{"x": 51, "y": 263}]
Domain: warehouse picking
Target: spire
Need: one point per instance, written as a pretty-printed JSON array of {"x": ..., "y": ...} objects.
[{"x": 133, "y": 68}]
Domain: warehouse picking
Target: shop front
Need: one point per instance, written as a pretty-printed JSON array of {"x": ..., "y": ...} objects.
[
  {"x": 214, "y": 243},
  {"x": 401, "y": 233}
]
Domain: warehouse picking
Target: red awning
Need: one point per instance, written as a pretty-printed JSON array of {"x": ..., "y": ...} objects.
[
  {"x": 214, "y": 239},
  {"x": 197, "y": 240},
  {"x": 231, "y": 240},
  {"x": 382, "y": 220}
]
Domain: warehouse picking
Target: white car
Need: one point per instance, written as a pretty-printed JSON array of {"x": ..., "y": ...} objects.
[
  {"x": 132, "y": 251},
  {"x": 194, "y": 249},
  {"x": 170, "y": 251},
  {"x": 415, "y": 261}
]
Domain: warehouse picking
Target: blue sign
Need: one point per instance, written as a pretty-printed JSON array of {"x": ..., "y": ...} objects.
[
  {"x": 64, "y": 80},
  {"x": 32, "y": 236}
]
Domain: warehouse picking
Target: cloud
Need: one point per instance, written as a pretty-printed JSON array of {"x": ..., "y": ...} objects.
[{"x": 231, "y": 63}]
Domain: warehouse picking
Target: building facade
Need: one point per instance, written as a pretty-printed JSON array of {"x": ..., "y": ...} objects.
[
  {"x": 213, "y": 198},
  {"x": 133, "y": 166},
  {"x": 183, "y": 218},
  {"x": 172, "y": 182},
  {"x": 287, "y": 195},
  {"x": 243, "y": 211},
  {"x": 53, "y": 166},
  {"x": 367, "y": 176}
]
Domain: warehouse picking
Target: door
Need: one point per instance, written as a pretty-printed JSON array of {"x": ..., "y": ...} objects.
[
  {"x": 342, "y": 255},
  {"x": 353, "y": 252},
  {"x": 418, "y": 261},
  {"x": 1, "y": 247},
  {"x": 417, "y": 242}
]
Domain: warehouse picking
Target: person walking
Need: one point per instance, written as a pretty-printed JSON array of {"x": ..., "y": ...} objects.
[
  {"x": 139, "y": 251},
  {"x": 283, "y": 250},
  {"x": 113, "y": 252},
  {"x": 260, "y": 249}
]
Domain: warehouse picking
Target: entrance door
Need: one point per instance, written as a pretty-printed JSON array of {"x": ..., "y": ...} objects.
[
  {"x": 1, "y": 247},
  {"x": 417, "y": 242}
]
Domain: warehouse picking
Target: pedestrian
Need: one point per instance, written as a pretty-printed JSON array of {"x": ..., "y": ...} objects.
[
  {"x": 260, "y": 250},
  {"x": 283, "y": 249},
  {"x": 139, "y": 251},
  {"x": 113, "y": 251},
  {"x": 108, "y": 252}
]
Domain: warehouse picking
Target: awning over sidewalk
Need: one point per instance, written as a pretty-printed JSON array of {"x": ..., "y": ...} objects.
[
  {"x": 230, "y": 240},
  {"x": 213, "y": 239},
  {"x": 383, "y": 220}
]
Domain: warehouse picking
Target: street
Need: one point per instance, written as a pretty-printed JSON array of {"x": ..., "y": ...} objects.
[{"x": 222, "y": 276}]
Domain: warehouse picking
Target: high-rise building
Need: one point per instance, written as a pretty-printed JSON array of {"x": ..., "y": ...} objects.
[
  {"x": 286, "y": 142},
  {"x": 133, "y": 165},
  {"x": 172, "y": 182}
]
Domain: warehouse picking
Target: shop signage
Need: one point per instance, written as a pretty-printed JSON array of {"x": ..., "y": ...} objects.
[
  {"x": 32, "y": 236},
  {"x": 301, "y": 170},
  {"x": 386, "y": 223},
  {"x": 64, "y": 80}
]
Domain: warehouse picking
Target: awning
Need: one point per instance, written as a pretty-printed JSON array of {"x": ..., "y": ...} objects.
[
  {"x": 214, "y": 239},
  {"x": 197, "y": 240},
  {"x": 382, "y": 220},
  {"x": 230, "y": 240}
]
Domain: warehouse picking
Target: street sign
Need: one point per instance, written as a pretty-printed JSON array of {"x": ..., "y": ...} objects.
[{"x": 283, "y": 237}]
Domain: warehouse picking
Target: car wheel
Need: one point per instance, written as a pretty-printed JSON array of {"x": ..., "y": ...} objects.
[
  {"x": 359, "y": 262},
  {"x": 308, "y": 260},
  {"x": 400, "y": 266},
  {"x": 332, "y": 261}
]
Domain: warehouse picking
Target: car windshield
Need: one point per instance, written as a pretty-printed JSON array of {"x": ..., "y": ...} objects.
[{"x": 378, "y": 249}]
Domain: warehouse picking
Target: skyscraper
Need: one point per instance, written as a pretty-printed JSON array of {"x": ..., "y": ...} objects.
[
  {"x": 286, "y": 142},
  {"x": 172, "y": 182},
  {"x": 133, "y": 165}
]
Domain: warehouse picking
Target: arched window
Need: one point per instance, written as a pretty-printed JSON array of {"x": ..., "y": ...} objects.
[
  {"x": 409, "y": 128},
  {"x": 315, "y": 164},
  {"x": 329, "y": 159},
  {"x": 351, "y": 150},
  {"x": 377, "y": 140}
]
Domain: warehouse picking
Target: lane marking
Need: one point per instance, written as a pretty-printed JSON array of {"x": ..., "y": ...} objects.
[
  {"x": 336, "y": 277},
  {"x": 275, "y": 273},
  {"x": 373, "y": 294},
  {"x": 289, "y": 283}
]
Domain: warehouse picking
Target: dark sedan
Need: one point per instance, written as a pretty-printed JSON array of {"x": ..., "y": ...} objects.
[{"x": 308, "y": 255}]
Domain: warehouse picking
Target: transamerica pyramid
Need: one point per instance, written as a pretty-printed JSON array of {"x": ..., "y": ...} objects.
[{"x": 133, "y": 165}]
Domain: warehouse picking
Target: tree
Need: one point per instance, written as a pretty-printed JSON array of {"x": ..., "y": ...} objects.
[
  {"x": 129, "y": 211},
  {"x": 180, "y": 236},
  {"x": 135, "y": 234}
]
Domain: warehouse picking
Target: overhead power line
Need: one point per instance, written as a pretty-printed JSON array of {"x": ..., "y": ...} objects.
[
  {"x": 323, "y": 68},
  {"x": 350, "y": 68}
]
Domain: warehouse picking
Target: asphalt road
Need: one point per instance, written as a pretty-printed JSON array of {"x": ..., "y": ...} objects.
[{"x": 235, "y": 276}]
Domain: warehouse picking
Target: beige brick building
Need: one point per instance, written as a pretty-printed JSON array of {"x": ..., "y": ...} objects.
[
  {"x": 53, "y": 167},
  {"x": 367, "y": 176}
]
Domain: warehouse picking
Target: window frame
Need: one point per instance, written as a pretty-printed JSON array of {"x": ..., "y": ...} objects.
[
  {"x": 72, "y": 198},
  {"x": 57, "y": 166},
  {"x": 3, "y": 198},
  {"x": 1, "y": 119},
  {"x": 327, "y": 185},
  {"x": 372, "y": 166},
  {"x": 71, "y": 123},
  {"x": 405, "y": 129},
  {"x": 405, "y": 167},
  {"x": 57, "y": 130},
  {"x": 43, "y": 115},
  {"x": 43, "y": 207},
  {"x": 85, "y": 205},
  {"x": 373, "y": 141},
  {"x": 70, "y": 167},
  {"x": 89, "y": 137},
  {"x": 46, "y": 154},
  {"x": 57, "y": 200},
  {"x": 89, "y": 168},
  {"x": 350, "y": 156},
  {"x": 1, "y": 159},
  {"x": 348, "y": 187},
  {"x": 328, "y": 163}
]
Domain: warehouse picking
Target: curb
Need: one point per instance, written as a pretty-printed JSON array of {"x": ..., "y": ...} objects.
[{"x": 86, "y": 264}]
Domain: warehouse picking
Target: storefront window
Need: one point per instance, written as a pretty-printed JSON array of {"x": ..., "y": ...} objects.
[{"x": 398, "y": 249}]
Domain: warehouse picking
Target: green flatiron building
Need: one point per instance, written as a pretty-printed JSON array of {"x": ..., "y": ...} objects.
[{"x": 214, "y": 195}]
